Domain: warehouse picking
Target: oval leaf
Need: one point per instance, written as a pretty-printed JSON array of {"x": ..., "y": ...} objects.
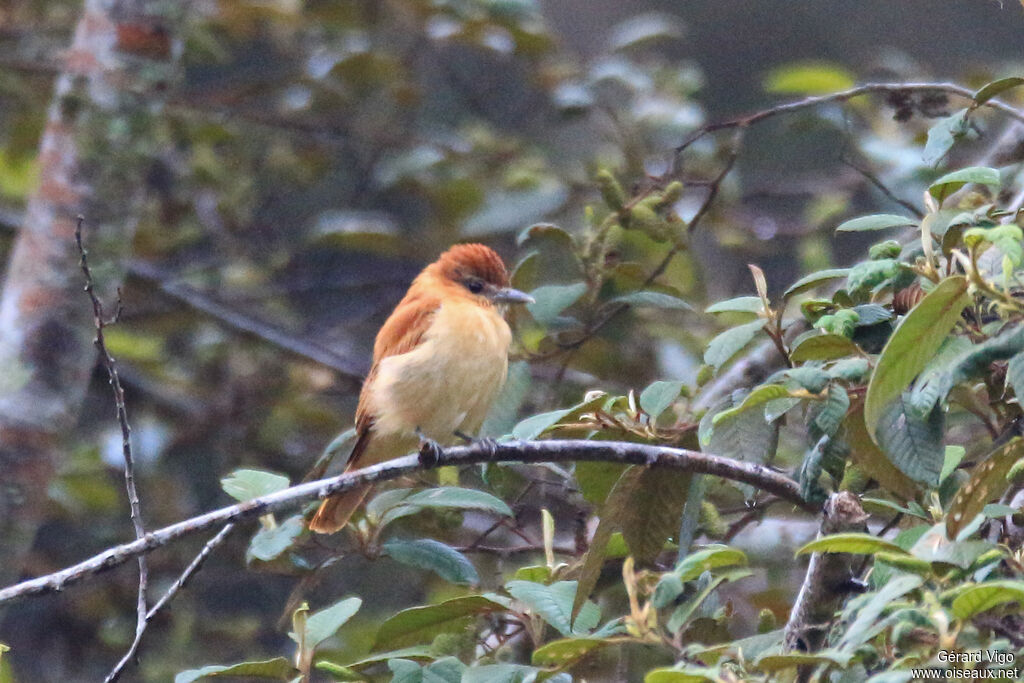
[
  {"x": 859, "y": 544},
  {"x": 245, "y": 485},
  {"x": 951, "y": 182},
  {"x": 912, "y": 345},
  {"x": 460, "y": 498},
  {"x": 653, "y": 299},
  {"x": 425, "y": 553},
  {"x": 728, "y": 343},
  {"x": 551, "y": 300},
  {"x": 879, "y": 221},
  {"x": 977, "y": 599},
  {"x": 325, "y": 623}
]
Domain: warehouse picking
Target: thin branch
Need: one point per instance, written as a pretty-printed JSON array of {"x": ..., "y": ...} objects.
[
  {"x": 246, "y": 323},
  {"x": 122, "y": 418},
  {"x": 842, "y": 96},
  {"x": 882, "y": 187},
  {"x": 759, "y": 476},
  {"x": 184, "y": 578}
]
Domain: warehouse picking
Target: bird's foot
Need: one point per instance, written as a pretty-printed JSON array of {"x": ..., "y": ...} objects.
[
  {"x": 488, "y": 444},
  {"x": 430, "y": 450}
]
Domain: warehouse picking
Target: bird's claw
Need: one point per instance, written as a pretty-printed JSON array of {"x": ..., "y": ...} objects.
[
  {"x": 430, "y": 450},
  {"x": 487, "y": 443}
]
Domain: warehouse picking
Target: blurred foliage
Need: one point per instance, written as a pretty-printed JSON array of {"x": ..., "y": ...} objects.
[{"x": 316, "y": 154}]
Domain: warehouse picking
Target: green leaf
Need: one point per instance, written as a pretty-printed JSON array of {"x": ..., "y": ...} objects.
[
  {"x": 912, "y": 344},
  {"x": 808, "y": 78},
  {"x": 504, "y": 412},
  {"x": 869, "y": 611},
  {"x": 985, "y": 596},
  {"x": 387, "y": 502},
  {"x": 425, "y": 553},
  {"x": 814, "y": 279},
  {"x": 268, "y": 544},
  {"x": 792, "y": 660},
  {"x": 658, "y": 396},
  {"x": 988, "y": 481},
  {"x": 278, "y": 668},
  {"x": 1015, "y": 375},
  {"x": 871, "y": 459},
  {"x": 668, "y": 588},
  {"x": 757, "y": 397},
  {"x": 535, "y": 425},
  {"x": 414, "y": 652},
  {"x": 422, "y": 623},
  {"x": 943, "y": 134},
  {"x": 323, "y": 624},
  {"x": 850, "y": 369},
  {"x": 823, "y": 347},
  {"x": 951, "y": 182},
  {"x": 554, "y": 604},
  {"x": 653, "y": 300},
  {"x": 856, "y": 543},
  {"x": 995, "y": 88},
  {"x": 459, "y": 498},
  {"x": 833, "y": 411},
  {"x": 705, "y": 587},
  {"x": 499, "y": 673},
  {"x": 911, "y": 441},
  {"x": 596, "y": 479},
  {"x": 691, "y": 674},
  {"x": 934, "y": 546},
  {"x": 620, "y": 497},
  {"x": 647, "y": 527},
  {"x": 971, "y": 362},
  {"x": 708, "y": 558},
  {"x": 745, "y": 436},
  {"x": 559, "y": 654},
  {"x": 880, "y": 221},
  {"x": 245, "y": 485},
  {"x": 741, "y": 304},
  {"x": 551, "y": 300},
  {"x": 872, "y": 314},
  {"x": 728, "y": 343},
  {"x": 445, "y": 670}
]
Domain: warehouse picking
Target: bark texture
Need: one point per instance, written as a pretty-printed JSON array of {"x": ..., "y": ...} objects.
[{"x": 95, "y": 153}]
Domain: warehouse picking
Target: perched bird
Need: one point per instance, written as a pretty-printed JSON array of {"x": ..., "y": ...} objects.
[{"x": 438, "y": 362}]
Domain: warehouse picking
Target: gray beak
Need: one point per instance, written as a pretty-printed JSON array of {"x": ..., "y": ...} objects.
[{"x": 511, "y": 296}]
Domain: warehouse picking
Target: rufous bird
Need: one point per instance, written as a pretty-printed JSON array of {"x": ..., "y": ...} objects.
[{"x": 438, "y": 362}]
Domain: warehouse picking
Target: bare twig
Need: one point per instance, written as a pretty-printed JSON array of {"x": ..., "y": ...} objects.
[
  {"x": 184, "y": 578},
  {"x": 882, "y": 187},
  {"x": 122, "y": 418},
  {"x": 842, "y": 96},
  {"x": 515, "y": 451}
]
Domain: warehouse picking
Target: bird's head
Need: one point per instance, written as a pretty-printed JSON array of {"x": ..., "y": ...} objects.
[{"x": 477, "y": 271}]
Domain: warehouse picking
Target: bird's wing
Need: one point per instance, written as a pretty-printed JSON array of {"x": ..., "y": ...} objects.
[{"x": 402, "y": 332}]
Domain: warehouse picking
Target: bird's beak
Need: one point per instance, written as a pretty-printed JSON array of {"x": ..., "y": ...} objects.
[{"x": 507, "y": 295}]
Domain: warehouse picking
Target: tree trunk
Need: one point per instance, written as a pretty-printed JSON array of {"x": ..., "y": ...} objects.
[{"x": 94, "y": 157}]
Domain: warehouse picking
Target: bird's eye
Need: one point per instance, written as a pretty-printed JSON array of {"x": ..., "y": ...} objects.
[{"x": 475, "y": 286}]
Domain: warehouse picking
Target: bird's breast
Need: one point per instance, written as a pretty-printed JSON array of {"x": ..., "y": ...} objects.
[{"x": 449, "y": 380}]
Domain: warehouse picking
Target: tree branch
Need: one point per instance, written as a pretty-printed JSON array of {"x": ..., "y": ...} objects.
[
  {"x": 100, "y": 323},
  {"x": 842, "y": 96},
  {"x": 189, "y": 572},
  {"x": 517, "y": 451}
]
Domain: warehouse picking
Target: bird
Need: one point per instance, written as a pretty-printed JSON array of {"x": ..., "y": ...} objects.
[{"x": 439, "y": 360}]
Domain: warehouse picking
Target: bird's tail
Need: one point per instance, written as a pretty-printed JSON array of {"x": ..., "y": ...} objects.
[{"x": 334, "y": 513}]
